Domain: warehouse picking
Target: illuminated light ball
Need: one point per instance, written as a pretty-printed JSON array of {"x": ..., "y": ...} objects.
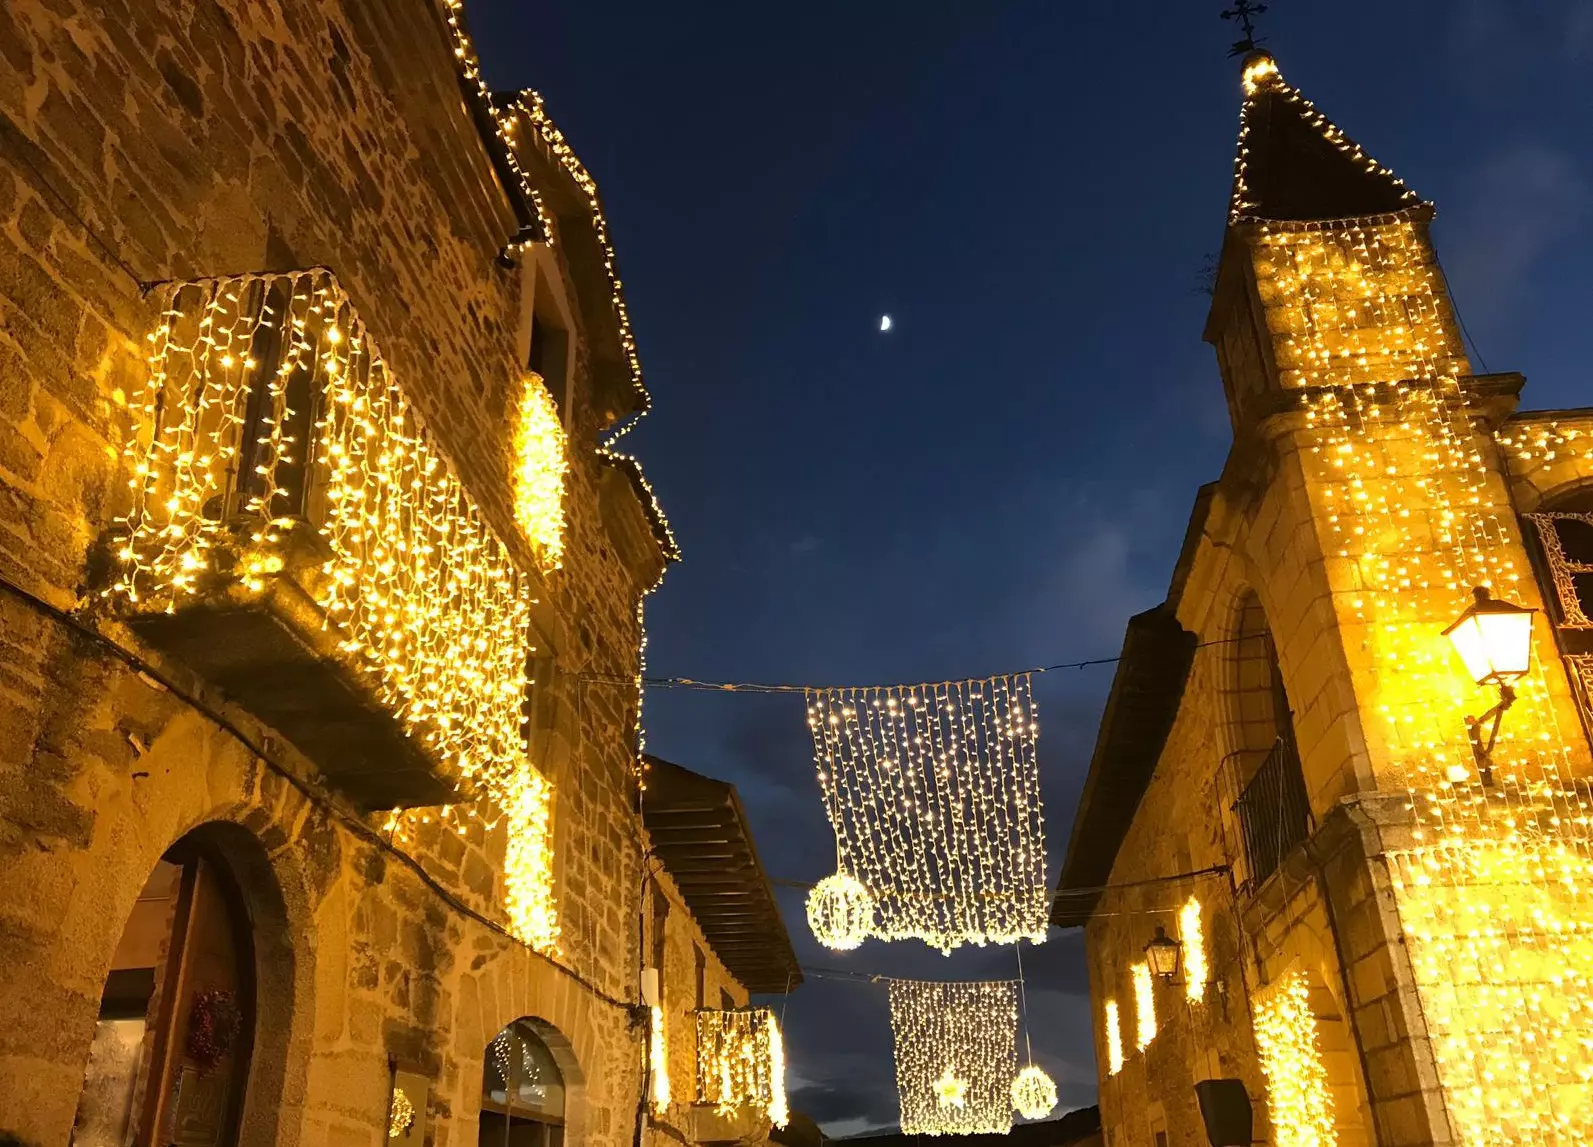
[
  {"x": 1033, "y": 1093},
  {"x": 840, "y": 912}
]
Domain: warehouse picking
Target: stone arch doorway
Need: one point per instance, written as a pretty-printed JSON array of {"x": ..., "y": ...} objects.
[
  {"x": 174, "y": 1039},
  {"x": 527, "y": 1078}
]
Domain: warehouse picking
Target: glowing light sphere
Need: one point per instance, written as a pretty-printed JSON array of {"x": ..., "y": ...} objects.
[
  {"x": 1033, "y": 1093},
  {"x": 840, "y": 912}
]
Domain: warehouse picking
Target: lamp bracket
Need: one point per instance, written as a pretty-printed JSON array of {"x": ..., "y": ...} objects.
[{"x": 1481, "y": 752}]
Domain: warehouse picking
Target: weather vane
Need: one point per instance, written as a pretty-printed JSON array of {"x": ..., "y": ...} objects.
[{"x": 1245, "y": 12}]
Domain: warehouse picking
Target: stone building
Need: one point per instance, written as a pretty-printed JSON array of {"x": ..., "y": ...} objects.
[
  {"x": 321, "y": 577},
  {"x": 715, "y": 934},
  {"x": 1379, "y": 924}
]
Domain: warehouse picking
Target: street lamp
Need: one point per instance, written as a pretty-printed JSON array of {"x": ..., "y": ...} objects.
[
  {"x": 1162, "y": 954},
  {"x": 1494, "y": 639}
]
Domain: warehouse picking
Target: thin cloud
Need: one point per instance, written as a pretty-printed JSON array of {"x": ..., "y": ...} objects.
[{"x": 1515, "y": 209}]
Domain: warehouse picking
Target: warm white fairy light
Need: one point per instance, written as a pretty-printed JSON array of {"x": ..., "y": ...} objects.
[
  {"x": 1494, "y": 896},
  {"x": 400, "y": 1114},
  {"x": 741, "y": 1062},
  {"x": 956, "y": 1055},
  {"x": 779, "y": 1109},
  {"x": 1144, "y": 1005},
  {"x": 951, "y": 1090},
  {"x": 840, "y": 912},
  {"x": 1114, "y": 1038},
  {"x": 540, "y": 465},
  {"x": 1033, "y": 1093},
  {"x": 1193, "y": 938},
  {"x": 527, "y": 108},
  {"x": 933, "y": 792},
  {"x": 658, "y": 1059},
  {"x": 1299, "y": 1101},
  {"x": 1261, "y": 76},
  {"x": 1495, "y": 891},
  {"x": 419, "y": 592}
]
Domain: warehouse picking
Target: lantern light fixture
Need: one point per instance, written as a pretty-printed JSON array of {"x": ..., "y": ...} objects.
[
  {"x": 1162, "y": 954},
  {"x": 1494, "y": 640}
]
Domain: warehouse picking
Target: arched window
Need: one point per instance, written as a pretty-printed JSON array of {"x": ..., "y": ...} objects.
[
  {"x": 522, "y": 1091},
  {"x": 170, "y": 1057},
  {"x": 1272, "y": 807}
]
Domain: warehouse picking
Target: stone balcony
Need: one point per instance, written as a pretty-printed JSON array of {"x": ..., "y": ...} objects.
[
  {"x": 298, "y": 539},
  {"x": 707, "y": 1124}
]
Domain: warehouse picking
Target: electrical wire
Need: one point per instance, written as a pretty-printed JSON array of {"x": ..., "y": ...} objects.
[
  {"x": 1091, "y": 890},
  {"x": 702, "y": 686}
]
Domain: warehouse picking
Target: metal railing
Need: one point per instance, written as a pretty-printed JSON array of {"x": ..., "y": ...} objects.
[{"x": 1274, "y": 811}]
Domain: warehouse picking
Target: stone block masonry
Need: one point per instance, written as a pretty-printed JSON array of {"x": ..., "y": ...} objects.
[{"x": 141, "y": 143}]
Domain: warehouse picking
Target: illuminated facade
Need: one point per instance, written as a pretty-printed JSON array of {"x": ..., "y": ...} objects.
[
  {"x": 1396, "y": 927},
  {"x": 322, "y": 569}
]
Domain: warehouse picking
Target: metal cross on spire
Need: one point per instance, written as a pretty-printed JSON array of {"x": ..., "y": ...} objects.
[{"x": 1245, "y": 12}]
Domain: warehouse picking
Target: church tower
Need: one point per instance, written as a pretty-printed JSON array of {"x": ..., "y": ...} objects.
[
  {"x": 1327, "y": 274},
  {"x": 1343, "y": 364},
  {"x": 1383, "y": 854}
]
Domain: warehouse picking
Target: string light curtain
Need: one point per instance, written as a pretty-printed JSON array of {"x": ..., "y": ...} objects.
[
  {"x": 1493, "y": 892},
  {"x": 1299, "y": 1101},
  {"x": 933, "y": 792},
  {"x": 418, "y": 589},
  {"x": 1193, "y": 938},
  {"x": 956, "y": 1055},
  {"x": 741, "y": 1062}
]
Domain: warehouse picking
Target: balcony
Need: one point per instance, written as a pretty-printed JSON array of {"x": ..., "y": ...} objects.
[
  {"x": 298, "y": 539},
  {"x": 1274, "y": 812},
  {"x": 740, "y": 1075}
]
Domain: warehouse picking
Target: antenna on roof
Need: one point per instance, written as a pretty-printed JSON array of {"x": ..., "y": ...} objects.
[{"x": 1245, "y": 12}]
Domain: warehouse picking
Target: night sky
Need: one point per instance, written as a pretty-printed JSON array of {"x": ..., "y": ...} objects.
[{"x": 1031, "y": 191}]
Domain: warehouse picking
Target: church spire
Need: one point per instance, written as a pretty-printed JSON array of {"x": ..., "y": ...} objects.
[{"x": 1294, "y": 164}]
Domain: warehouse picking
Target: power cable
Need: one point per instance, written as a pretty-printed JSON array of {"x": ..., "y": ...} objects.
[{"x": 700, "y": 685}]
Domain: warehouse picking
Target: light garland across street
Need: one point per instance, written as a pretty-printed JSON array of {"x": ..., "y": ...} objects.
[
  {"x": 956, "y": 1055},
  {"x": 933, "y": 792}
]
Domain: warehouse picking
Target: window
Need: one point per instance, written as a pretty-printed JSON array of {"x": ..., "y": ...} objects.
[
  {"x": 702, "y": 968},
  {"x": 269, "y": 351},
  {"x": 1273, "y": 806},
  {"x": 549, "y": 354},
  {"x": 522, "y": 1091},
  {"x": 727, "y": 1002},
  {"x": 660, "y": 934},
  {"x": 170, "y": 1058},
  {"x": 1560, "y": 545}
]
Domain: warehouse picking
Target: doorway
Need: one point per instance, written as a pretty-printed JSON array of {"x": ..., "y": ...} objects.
[{"x": 169, "y": 1062}]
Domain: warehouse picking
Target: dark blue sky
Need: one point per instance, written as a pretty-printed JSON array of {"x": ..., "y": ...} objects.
[{"x": 1030, "y": 190}]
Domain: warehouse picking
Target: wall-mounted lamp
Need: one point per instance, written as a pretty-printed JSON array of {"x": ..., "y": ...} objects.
[
  {"x": 1494, "y": 639},
  {"x": 1162, "y": 954}
]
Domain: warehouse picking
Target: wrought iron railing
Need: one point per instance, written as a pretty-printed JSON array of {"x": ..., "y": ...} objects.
[{"x": 1274, "y": 811}]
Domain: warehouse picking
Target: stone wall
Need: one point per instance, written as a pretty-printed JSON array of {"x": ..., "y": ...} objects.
[{"x": 141, "y": 143}]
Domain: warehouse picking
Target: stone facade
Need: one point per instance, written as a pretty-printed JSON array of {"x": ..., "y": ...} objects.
[
  {"x": 1316, "y": 789},
  {"x": 149, "y": 143}
]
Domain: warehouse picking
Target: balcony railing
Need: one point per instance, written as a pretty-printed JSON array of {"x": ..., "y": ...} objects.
[
  {"x": 298, "y": 538},
  {"x": 740, "y": 1073},
  {"x": 1274, "y": 811}
]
